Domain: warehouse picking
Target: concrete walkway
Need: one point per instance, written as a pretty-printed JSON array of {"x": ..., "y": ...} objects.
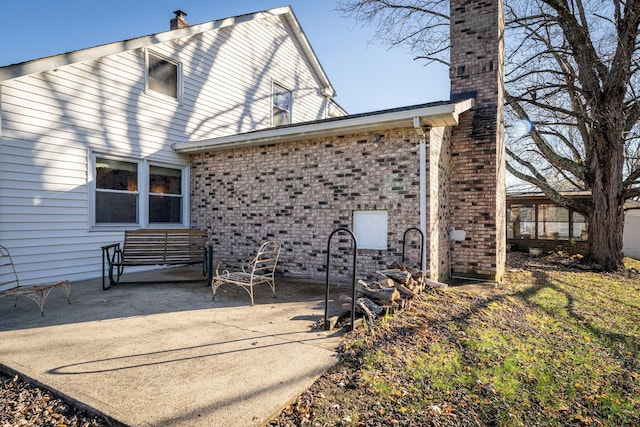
[{"x": 167, "y": 355}]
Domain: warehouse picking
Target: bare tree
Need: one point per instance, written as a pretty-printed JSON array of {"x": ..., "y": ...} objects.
[
  {"x": 420, "y": 26},
  {"x": 572, "y": 70}
]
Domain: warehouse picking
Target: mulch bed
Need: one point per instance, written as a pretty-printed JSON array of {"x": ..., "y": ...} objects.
[{"x": 24, "y": 404}]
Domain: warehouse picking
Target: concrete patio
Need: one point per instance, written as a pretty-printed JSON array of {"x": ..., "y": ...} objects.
[{"x": 166, "y": 354}]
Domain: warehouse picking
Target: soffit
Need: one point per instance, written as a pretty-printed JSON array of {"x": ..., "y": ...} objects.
[{"x": 435, "y": 114}]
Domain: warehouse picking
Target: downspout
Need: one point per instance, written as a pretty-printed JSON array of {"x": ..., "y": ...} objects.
[{"x": 423, "y": 187}]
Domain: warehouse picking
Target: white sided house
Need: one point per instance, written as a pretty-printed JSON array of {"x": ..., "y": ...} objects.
[
  {"x": 631, "y": 235},
  {"x": 230, "y": 127},
  {"x": 86, "y": 137}
]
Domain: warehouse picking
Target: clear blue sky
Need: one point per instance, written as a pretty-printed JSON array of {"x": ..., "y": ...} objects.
[{"x": 365, "y": 75}]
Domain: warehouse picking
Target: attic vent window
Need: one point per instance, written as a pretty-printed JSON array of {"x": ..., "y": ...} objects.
[
  {"x": 282, "y": 99},
  {"x": 163, "y": 76}
]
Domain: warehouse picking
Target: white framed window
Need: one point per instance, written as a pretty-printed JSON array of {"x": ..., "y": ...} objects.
[
  {"x": 129, "y": 192},
  {"x": 165, "y": 195},
  {"x": 117, "y": 198},
  {"x": 370, "y": 228},
  {"x": 282, "y": 100},
  {"x": 163, "y": 76}
]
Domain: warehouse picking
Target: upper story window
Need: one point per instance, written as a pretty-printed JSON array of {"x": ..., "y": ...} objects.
[
  {"x": 163, "y": 76},
  {"x": 282, "y": 100}
]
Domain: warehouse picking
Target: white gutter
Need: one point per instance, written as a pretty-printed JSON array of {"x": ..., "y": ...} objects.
[
  {"x": 437, "y": 114},
  {"x": 423, "y": 188}
]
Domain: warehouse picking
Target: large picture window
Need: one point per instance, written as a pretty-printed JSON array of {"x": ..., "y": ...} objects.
[
  {"x": 544, "y": 221},
  {"x": 137, "y": 193},
  {"x": 522, "y": 223},
  {"x": 163, "y": 76},
  {"x": 553, "y": 222},
  {"x": 579, "y": 226}
]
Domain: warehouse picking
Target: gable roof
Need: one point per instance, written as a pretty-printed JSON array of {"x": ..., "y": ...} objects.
[
  {"x": 52, "y": 62},
  {"x": 441, "y": 113}
]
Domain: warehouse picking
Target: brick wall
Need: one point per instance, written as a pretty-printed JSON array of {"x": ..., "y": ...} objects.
[
  {"x": 477, "y": 149},
  {"x": 299, "y": 192},
  {"x": 439, "y": 173}
]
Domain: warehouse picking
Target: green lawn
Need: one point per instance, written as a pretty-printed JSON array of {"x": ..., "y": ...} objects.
[{"x": 551, "y": 347}]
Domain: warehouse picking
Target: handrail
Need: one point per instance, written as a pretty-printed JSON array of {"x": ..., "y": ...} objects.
[
  {"x": 353, "y": 294},
  {"x": 404, "y": 241}
]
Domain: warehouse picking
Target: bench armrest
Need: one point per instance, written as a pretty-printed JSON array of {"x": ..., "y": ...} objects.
[
  {"x": 107, "y": 247},
  {"x": 110, "y": 255}
]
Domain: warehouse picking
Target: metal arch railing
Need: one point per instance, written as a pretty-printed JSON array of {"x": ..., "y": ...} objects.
[
  {"x": 404, "y": 241},
  {"x": 354, "y": 269}
]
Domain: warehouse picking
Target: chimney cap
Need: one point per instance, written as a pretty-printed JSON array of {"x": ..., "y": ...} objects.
[{"x": 179, "y": 21}]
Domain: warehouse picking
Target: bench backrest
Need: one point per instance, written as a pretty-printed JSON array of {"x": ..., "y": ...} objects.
[
  {"x": 8, "y": 275},
  {"x": 164, "y": 245},
  {"x": 263, "y": 266}
]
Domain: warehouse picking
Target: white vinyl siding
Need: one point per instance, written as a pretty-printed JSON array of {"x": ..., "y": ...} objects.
[
  {"x": 630, "y": 241},
  {"x": 52, "y": 122}
]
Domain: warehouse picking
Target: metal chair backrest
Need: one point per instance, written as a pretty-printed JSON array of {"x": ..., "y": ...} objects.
[
  {"x": 263, "y": 266},
  {"x": 8, "y": 275}
]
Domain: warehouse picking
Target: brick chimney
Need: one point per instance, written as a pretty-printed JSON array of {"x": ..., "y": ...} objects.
[
  {"x": 179, "y": 21},
  {"x": 477, "y": 144}
]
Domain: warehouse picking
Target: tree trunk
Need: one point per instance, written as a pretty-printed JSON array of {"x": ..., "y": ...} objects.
[
  {"x": 606, "y": 220},
  {"x": 605, "y": 233}
]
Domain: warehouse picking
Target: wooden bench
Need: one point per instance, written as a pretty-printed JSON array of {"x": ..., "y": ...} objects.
[
  {"x": 259, "y": 270},
  {"x": 10, "y": 284},
  {"x": 152, "y": 247}
]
